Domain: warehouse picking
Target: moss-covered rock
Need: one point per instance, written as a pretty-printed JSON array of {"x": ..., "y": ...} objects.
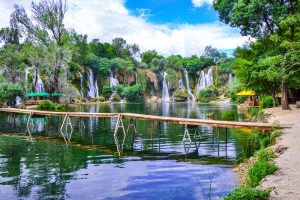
[
  {"x": 180, "y": 95},
  {"x": 115, "y": 97},
  {"x": 173, "y": 78},
  {"x": 101, "y": 98}
]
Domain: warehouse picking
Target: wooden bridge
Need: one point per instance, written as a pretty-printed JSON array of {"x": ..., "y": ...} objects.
[
  {"x": 187, "y": 122},
  {"x": 175, "y": 120}
]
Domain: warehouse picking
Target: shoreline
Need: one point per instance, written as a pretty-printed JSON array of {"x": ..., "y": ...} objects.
[{"x": 285, "y": 182}]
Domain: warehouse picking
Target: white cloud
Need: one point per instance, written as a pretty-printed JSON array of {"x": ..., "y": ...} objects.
[
  {"x": 199, "y": 3},
  {"x": 107, "y": 19}
]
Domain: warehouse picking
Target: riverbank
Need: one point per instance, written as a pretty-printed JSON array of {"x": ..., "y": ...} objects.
[{"x": 286, "y": 180}]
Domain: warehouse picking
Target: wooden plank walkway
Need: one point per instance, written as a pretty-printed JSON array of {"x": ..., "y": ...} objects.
[{"x": 176, "y": 120}]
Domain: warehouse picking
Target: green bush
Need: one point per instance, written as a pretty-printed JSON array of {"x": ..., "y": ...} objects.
[
  {"x": 106, "y": 89},
  {"x": 131, "y": 92},
  {"x": 257, "y": 114},
  {"x": 208, "y": 94},
  {"x": 61, "y": 107},
  {"x": 259, "y": 170},
  {"x": 118, "y": 88},
  {"x": 46, "y": 105},
  {"x": 9, "y": 92},
  {"x": 101, "y": 98},
  {"x": 265, "y": 154},
  {"x": 246, "y": 193},
  {"x": 266, "y": 102}
]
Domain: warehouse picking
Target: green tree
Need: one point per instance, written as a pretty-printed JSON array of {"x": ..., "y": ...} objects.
[
  {"x": 159, "y": 65},
  {"x": 278, "y": 21},
  {"x": 148, "y": 56},
  {"x": 174, "y": 62},
  {"x": 193, "y": 64},
  {"x": 47, "y": 28},
  {"x": 9, "y": 92},
  {"x": 12, "y": 61},
  {"x": 213, "y": 54}
]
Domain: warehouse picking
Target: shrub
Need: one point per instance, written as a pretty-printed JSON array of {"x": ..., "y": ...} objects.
[
  {"x": 61, "y": 107},
  {"x": 9, "y": 92},
  {"x": 246, "y": 193},
  {"x": 106, "y": 89},
  {"x": 208, "y": 94},
  {"x": 132, "y": 92},
  {"x": 118, "y": 88},
  {"x": 257, "y": 114},
  {"x": 46, "y": 105},
  {"x": 101, "y": 98},
  {"x": 265, "y": 154},
  {"x": 259, "y": 170},
  {"x": 228, "y": 115},
  {"x": 266, "y": 102}
]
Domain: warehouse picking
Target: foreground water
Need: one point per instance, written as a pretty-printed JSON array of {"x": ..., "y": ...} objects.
[{"x": 154, "y": 163}]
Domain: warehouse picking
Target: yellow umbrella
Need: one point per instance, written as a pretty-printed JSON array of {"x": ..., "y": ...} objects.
[{"x": 246, "y": 93}]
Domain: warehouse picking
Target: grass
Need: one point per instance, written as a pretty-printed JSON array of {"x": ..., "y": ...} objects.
[
  {"x": 262, "y": 167},
  {"x": 246, "y": 193},
  {"x": 260, "y": 170}
]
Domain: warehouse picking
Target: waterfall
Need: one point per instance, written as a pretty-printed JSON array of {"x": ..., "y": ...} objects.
[
  {"x": 180, "y": 84},
  {"x": 113, "y": 81},
  {"x": 39, "y": 85},
  {"x": 165, "y": 91},
  {"x": 229, "y": 80},
  {"x": 205, "y": 79},
  {"x": 26, "y": 78},
  {"x": 186, "y": 75},
  {"x": 81, "y": 84},
  {"x": 93, "y": 86},
  {"x": 209, "y": 77}
]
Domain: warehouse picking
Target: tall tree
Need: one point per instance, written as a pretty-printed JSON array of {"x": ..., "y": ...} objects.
[
  {"x": 47, "y": 28},
  {"x": 279, "y": 20}
]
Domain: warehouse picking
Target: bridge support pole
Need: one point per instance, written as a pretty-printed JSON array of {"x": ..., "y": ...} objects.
[
  {"x": 119, "y": 124},
  {"x": 131, "y": 124},
  {"x": 66, "y": 123},
  {"x": 197, "y": 138},
  {"x": 186, "y": 140},
  {"x": 29, "y": 125}
]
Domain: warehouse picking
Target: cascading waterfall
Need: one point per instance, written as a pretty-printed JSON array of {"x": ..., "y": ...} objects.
[
  {"x": 229, "y": 80},
  {"x": 39, "y": 85},
  {"x": 205, "y": 79},
  {"x": 26, "y": 78},
  {"x": 186, "y": 75},
  {"x": 180, "y": 84},
  {"x": 113, "y": 81},
  {"x": 165, "y": 91},
  {"x": 81, "y": 84},
  {"x": 180, "y": 87},
  {"x": 92, "y": 84}
]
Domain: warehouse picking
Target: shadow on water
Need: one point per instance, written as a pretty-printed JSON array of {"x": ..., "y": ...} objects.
[{"x": 155, "y": 163}]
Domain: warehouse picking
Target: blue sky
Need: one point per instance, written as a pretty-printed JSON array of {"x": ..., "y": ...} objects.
[
  {"x": 172, "y": 11},
  {"x": 182, "y": 27}
]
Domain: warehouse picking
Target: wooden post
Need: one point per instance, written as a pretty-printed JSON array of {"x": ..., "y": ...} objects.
[{"x": 218, "y": 138}]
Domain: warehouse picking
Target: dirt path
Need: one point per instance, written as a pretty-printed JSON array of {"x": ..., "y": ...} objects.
[{"x": 286, "y": 181}]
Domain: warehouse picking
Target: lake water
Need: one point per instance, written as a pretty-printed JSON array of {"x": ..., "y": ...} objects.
[{"x": 154, "y": 163}]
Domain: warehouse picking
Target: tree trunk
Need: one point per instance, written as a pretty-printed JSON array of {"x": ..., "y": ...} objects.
[{"x": 284, "y": 96}]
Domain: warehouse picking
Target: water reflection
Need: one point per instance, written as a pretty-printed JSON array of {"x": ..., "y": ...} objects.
[{"x": 154, "y": 162}]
